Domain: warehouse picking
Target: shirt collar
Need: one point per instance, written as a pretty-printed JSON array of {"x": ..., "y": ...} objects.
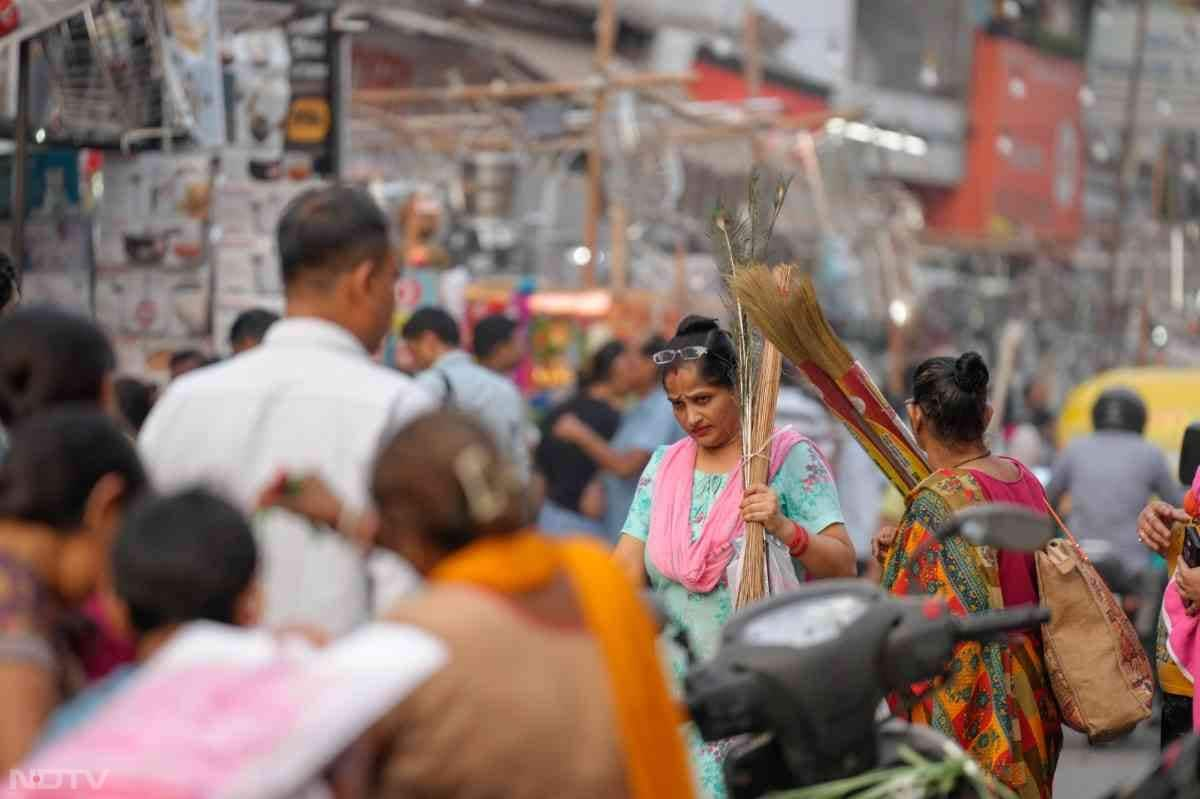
[
  {"x": 451, "y": 358},
  {"x": 311, "y": 331}
]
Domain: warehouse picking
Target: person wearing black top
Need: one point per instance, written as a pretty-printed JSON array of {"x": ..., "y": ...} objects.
[{"x": 567, "y": 469}]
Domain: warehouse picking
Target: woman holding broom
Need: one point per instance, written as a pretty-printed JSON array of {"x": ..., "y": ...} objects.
[
  {"x": 996, "y": 701},
  {"x": 690, "y": 507}
]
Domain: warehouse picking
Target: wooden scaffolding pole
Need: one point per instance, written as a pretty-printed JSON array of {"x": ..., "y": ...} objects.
[
  {"x": 606, "y": 39},
  {"x": 499, "y": 90},
  {"x": 1128, "y": 156}
]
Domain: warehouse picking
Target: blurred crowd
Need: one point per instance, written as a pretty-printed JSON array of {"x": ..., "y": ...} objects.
[{"x": 301, "y": 487}]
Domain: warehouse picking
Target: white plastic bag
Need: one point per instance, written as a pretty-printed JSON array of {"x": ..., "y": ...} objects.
[{"x": 781, "y": 574}]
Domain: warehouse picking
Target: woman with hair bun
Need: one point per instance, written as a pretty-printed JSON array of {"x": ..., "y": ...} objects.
[
  {"x": 690, "y": 507},
  {"x": 996, "y": 701}
]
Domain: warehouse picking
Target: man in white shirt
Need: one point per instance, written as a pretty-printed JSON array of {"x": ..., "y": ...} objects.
[{"x": 308, "y": 400}]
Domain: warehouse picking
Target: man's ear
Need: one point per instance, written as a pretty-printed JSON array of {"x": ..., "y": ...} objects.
[{"x": 361, "y": 277}]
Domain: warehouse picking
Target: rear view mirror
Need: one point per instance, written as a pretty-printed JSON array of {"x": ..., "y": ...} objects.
[
  {"x": 1001, "y": 526},
  {"x": 1189, "y": 454}
]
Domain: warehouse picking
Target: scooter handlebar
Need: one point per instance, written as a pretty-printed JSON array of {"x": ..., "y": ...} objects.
[{"x": 987, "y": 625}]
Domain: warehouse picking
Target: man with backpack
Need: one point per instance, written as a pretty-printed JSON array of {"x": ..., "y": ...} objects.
[{"x": 457, "y": 381}]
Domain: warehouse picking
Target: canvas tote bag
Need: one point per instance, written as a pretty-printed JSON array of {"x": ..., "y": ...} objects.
[{"x": 1098, "y": 669}]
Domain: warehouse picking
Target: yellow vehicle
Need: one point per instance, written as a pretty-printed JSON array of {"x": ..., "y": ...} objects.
[{"x": 1172, "y": 398}]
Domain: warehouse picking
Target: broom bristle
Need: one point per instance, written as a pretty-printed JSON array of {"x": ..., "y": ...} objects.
[
  {"x": 791, "y": 317},
  {"x": 753, "y": 585}
]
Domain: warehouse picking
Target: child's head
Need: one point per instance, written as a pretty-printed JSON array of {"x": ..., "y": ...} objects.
[{"x": 186, "y": 557}]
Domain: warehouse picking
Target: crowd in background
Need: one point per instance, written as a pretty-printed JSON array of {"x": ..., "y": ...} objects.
[{"x": 127, "y": 512}]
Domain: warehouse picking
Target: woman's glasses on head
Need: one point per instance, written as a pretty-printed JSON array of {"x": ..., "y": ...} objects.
[{"x": 664, "y": 357}]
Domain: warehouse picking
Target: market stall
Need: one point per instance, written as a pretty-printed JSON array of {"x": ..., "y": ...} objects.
[{"x": 157, "y": 144}]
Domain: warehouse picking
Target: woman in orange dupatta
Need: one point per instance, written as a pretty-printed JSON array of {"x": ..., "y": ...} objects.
[
  {"x": 554, "y": 686},
  {"x": 995, "y": 699}
]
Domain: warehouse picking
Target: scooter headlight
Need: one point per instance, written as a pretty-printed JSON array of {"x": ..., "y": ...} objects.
[{"x": 805, "y": 624}]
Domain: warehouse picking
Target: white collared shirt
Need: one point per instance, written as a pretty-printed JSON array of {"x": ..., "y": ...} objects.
[{"x": 309, "y": 399}]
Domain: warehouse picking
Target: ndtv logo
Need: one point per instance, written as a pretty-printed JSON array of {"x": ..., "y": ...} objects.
[{"x": 47, "y": 779}]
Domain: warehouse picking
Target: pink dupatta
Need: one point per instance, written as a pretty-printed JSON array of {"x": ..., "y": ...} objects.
[
  {"x": 1183, "y": 639},
  {"x": 699, "y": 565}
]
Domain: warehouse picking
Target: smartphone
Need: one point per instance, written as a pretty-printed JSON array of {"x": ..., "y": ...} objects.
[{"x": 1191, "y": 547}]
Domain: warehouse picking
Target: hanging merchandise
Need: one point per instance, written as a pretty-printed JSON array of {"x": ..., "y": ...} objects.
[
  {"x": 260, "y": 98},
  {"x": 153, "y": 303},
  {"x": 20, "y": 19},
  {"x": 57, "y": 253},
  {"x": 310, "y": 115},
  {"x": 154, "y": 211},
  {"x": 193, "y": 49}
]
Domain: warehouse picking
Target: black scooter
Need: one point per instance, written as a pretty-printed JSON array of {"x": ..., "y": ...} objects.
[{"x": 798, "y": 680}]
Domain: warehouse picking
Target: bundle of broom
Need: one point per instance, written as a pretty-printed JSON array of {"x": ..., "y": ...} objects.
[
  {"x": 763, "y": 387},
  {"x": 791, "y": 318},
  {"x": 741, "y": 245}
]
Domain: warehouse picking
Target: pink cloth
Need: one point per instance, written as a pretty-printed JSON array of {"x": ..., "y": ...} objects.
[
  {"x": 1183, "y": 639},
  {"x": 107, "y": 648},
  {"x": 1018, "y": 571},
  {"x": 699, "y": 565}
]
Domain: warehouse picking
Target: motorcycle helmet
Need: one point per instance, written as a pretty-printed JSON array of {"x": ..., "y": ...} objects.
[{"x": 1120, "y": 409}]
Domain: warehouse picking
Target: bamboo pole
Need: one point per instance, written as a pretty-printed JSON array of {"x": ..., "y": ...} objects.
[
  {"x": 618, "y": 221},
  {"x": 606, "y": 37},
  {"x": 752, "y": 71},
  {"x": 501, "y": 90},
  {"x": 1128, "y": 152}
]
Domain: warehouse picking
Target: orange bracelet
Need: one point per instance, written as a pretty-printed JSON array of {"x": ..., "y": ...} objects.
[{"x": 799, "y": 543}]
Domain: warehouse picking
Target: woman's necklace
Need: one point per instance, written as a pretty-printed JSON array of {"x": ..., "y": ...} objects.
[{"x": 987, "y": 453}]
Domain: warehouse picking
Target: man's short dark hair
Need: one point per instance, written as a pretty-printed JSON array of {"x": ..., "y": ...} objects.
[
  {"x": 251, "y": 325},
  {"x": 183, "y": 557},
  {"x": 329, "y": 230},
  {"x": 432, "y": 320},
  {"x": 491, "y": 333}
]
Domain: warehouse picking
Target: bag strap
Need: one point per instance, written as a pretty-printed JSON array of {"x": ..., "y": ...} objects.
[
  {"x": 1063, "y": 526},
  {"x": 1058, "y": 520},
  {"x": 448, "y": 399}
]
